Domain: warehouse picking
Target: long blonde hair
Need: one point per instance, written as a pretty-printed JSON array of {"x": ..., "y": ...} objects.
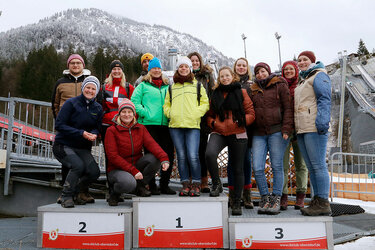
[
  {"x": 109, "y": 80},
  {"x": 248, "y": 68}
]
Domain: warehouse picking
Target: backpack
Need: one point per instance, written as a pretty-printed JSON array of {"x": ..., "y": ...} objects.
[{"x": 198, "y": 93}]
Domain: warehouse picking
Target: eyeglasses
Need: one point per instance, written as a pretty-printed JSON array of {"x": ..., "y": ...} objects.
[{"x": 75, "y": 63}]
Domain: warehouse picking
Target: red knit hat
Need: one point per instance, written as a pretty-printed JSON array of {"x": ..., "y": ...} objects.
[
  {"x": 294, "y": 64},
  {"x": 309, "y": 54},
  {"x": 262, "y": 65},
  {"x": 75, "y": 56},
  {"x": 126, "y": 103}
]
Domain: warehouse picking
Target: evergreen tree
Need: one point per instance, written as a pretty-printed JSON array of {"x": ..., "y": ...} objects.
[
  {"x": 362, "y": 50},
  {"x": 39, "y": 73}
]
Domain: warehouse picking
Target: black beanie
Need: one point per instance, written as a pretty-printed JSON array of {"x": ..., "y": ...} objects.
[{"x": 117, "y": 63}]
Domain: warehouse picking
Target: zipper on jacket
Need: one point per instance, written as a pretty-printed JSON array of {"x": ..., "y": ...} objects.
[
  {"x": 161, "y": 101},
  {"x": 131, "y": 141}
]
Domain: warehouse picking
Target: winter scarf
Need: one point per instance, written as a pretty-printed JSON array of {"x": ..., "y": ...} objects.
[
  {"x": 313, "y": 66},
  {"x": 116, "y": 81},
  {"x": 181, "y": 79},
  {"x": 263, "y": 83},
  {"x": 232, "y": 102},
  {"x": 157, "y": 81}
]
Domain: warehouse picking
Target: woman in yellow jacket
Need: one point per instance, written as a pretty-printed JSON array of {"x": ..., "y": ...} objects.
[{"x": 185, "y": 103}]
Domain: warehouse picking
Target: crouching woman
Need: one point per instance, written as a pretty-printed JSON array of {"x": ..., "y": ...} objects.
[
  {"x": 128, "y": 168},
  {"x": 230, "y": 111}
]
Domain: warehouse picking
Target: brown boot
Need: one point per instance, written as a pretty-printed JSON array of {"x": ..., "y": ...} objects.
[
  {"x": 300, "y": 200},
  {"x": 141, "y": 189},
  {"x": 284, "y": 202},
  {"x": 318, "y": 206},
  {"x": 204, "y": 185},
  {"x": 86, "y": 196},
  {"x": 246, "y": 197}
]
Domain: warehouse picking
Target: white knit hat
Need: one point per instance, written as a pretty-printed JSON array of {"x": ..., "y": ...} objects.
[{"x": 184, "y": 60}]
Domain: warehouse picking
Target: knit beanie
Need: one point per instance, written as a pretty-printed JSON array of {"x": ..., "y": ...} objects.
[
  {"x": 184, "y": 60},
  {"x": 293, "y": 63},
  {"x": 309, "y": 54},
  {"x": 146, "y": 56},
  {"x": 262, "y": 65},
  {"x": 154, "y": 63},
  {"x": 75, "y": 56},
  {"x": 117, "y": 63},
  {"x": 92, "y": 80},
  {"x": 126, "y": 103}
]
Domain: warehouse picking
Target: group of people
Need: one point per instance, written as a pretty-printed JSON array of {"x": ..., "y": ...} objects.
[{"x": 142, "y": 125}]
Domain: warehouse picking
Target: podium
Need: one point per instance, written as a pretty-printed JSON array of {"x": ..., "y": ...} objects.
[
  {"x": 180, "y": 222},
  {"x": 287, "y": 230},
  {"x": 90, "y": 226}
]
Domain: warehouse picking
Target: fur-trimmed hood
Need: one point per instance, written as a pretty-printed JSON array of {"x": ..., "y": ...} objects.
[{"x": 255, "y": 87}]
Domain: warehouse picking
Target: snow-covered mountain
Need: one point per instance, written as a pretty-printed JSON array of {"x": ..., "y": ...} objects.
[{"x": 89, "y": 29}]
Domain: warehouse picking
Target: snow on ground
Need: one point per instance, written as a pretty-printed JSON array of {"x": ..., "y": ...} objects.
[
  {"x": 365, "y": 243},
  {"x": 368, "y": 206}
]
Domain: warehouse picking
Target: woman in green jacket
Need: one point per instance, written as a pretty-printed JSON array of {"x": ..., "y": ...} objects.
[
  {"x": 185, "y": 105},
  {"x": 148, "y": 99}
]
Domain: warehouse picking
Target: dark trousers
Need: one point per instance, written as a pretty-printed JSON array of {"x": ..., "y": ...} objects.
[
  {"x": 163, "y": 138},
  {"x": 83, "y": 169},
  {"x": 124, "y": 182},
  {"x": 202, "y": 153},
  {"x": 236, "y": 149}
]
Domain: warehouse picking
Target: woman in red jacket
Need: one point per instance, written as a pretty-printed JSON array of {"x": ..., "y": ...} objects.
[
  {"x": 230, "y": 111},
  {"x": 128, "y": 168}
]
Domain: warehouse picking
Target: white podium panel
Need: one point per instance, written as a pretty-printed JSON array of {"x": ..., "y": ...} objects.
[
  {"x": 288, "y": 230},
  {"x": 92, "y": 226},
  {"x": 180, "y": 222}
]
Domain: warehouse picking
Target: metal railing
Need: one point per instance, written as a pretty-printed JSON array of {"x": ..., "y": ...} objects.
[{"x": 352, "y": 175}]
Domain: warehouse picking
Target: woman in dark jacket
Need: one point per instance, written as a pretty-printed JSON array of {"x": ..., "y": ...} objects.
[
  {"x": 203, "y": 74},
  {"x": 230, "y": 111},
  {"x": 273, "y": 126},
  {"x": 128, "y": 168},
  {"x": 77, "y": 126}
]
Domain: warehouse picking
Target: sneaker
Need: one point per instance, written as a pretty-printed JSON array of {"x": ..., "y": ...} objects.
[
  {"x": 195, "y": 190},
  {"x": 284, "y": 202},
  {"x": 185, "y": 189},
  {"x": 274, "y": 207},
  {"x": 264, "y": 204}
]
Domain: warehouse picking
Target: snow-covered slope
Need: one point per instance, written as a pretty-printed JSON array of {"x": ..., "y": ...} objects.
[{"x": 89, "y": 29}]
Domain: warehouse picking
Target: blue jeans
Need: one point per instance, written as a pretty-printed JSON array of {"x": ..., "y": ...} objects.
[
  {"x": 275, "y": 144},
  {"x": 246, "y": 170},
  {"x": 186, "y": 141},
  {"x": 313, "y": 149}
]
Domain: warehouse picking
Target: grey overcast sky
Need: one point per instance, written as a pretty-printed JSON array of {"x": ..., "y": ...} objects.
[{"x": 323, "y": 26}]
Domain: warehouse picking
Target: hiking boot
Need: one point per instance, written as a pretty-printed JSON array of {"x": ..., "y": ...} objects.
[
  {"x": 231, "y": 197},
  {"x": 216, "y": 189},
  {"x": 165, "y": 189},
  {"x": 236, "y": 207},
  {"x": 246, "y": 197},
  {"x": 113, "y": 199},
  {"x": 185, "y": 189},
  {"x": 195, "y": 189},
  {"x": 79, "y": 201},
  {"x": 67, "y": 202},
  {"x": 284, "y": 202},
  {"x": 141, "y": 189},
  {"x": 264, "y": 204},
  {"x": 318, "y": 206},
  {"x": 204, "y": 185},
  {"x": 274, "y": 207},
  {"x": 153, "y": 188},
  {"x": 59, "y": 200},
  {"x": 300, "y": 200},
  {"x": 86, "y": 196}
]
